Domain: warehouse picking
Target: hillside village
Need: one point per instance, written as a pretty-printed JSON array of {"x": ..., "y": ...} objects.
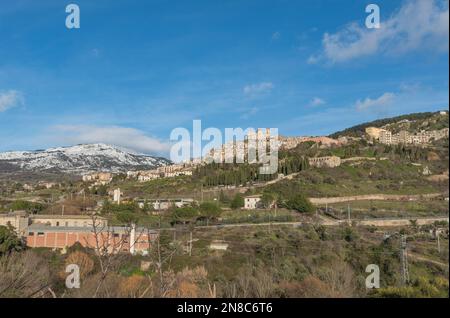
[{"x": 384, "y": 179}]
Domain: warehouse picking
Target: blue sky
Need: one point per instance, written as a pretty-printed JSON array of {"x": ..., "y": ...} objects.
[{"x": 135, "y": 70}]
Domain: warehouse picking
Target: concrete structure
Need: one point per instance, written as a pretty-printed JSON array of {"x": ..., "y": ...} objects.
[
  {"x": 385, "y": 137},
  {"x": 405, "y": 137},
  {"x": 67, "y": 220},
  {"x": 218, "y": 245},
  {"x": 117, "y": 196},
  {"x": 371, "y": 197},
  {"x": 292, "y": 142},
  {"x": 62, "y": 231},
  {"x": 18, "y": 220},
  {"x": 329, "y": 161},
  {"x": 112, "y": 239},
  {"x": 252, "y": 202}
]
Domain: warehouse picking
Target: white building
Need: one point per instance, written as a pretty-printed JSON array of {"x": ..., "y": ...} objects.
[
  {"x": 117, "y": 195},
  {"x": 252, "y": 202}
]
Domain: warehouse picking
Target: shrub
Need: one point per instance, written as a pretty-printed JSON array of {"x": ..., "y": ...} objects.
[{"x": 300, "y": 203}]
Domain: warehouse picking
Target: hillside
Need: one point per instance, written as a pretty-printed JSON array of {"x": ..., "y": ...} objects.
[{"x": 416, "y": 121}]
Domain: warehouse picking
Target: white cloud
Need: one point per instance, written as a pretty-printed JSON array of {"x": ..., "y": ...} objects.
[
  {"x": 128, "y": 138},
  {"x": 276, "y": 35},
  {"x": 258, "y": 89},
  {"x": 369, "y": 103},
  {"x": 10, "y": 99},
  {"x": 247, "y": 114},
  {"x": 416, "y": 25},
  {"x": 313, "y": 59},
  {"x": 316, "y": 101}
]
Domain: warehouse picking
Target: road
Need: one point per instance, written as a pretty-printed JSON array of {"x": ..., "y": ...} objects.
[{"x": 328, "y": 222}]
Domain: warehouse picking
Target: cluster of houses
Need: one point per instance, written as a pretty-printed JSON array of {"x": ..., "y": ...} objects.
[
  {"x": 170, "y": 171},
  {"x": 59, "y": 232},
  {"x": 385, "y": 136},
  {"x": 239, "y": 150},
  {"x": 40, "y": 184},
  {"x": 99, "y": 178},
  {"x": 292, "y": 142},
  {"x": 228, "y": 152}
]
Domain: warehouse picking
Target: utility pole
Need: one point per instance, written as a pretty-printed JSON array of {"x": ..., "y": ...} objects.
[
  {"x": 190, "y": 243},
  {"x": 348, "y": 214},
  {"x": 404, "y": 260},
  {"x": 270, "y": 223},
  {"x": 202, "y": 192},
  {"x": 438, "y": 242}
]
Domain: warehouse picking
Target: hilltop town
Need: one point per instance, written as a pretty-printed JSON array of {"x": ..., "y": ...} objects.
[{"x": 377, "y": 182}]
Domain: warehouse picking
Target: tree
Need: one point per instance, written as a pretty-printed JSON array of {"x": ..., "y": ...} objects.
[
  {"x": 210, "y": 210},
  {"x": 8, "y": 240},
  {"x": 23, "y": 275},
  {"x": 238, "y": 201},
  {"x": 85, "y": 263},
  {"x": 300, "y": 203},
  {"x": 267, "y": 199},
  {"x": 184, "y": 214},
  {"x": 30, "y": 207}
]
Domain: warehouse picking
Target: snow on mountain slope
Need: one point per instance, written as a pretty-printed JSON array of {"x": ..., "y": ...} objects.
[{"x": 78, "y": 159}]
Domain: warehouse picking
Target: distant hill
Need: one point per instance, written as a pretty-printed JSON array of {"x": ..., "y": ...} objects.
[
  {"x": 417, "y": 121},
  {"x": 77, "y": 160}
]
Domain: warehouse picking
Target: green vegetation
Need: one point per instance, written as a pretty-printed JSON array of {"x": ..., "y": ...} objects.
[
  {"x": 210, "y": 210},
  {"x": 238, "y": 201},
  {"x": 9, "y": 241},
  {"x": 359, "y": 130},
  {"x": 30, "y": 207},
  {"x": 299, "y": 203}
]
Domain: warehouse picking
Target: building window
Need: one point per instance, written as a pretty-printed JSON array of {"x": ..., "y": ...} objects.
[
  {"x": 31, "y": 234},
  {"x": 57, "y": 223},
  {"x": 40, "y": 234}
]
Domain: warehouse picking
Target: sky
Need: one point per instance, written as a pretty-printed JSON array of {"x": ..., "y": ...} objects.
[{"x": 136, "y": 70}]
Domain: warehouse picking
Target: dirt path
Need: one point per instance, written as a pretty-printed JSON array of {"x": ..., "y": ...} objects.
[
  {"x": 382, "y": 197},
  {"x": 426, "y": 259}
]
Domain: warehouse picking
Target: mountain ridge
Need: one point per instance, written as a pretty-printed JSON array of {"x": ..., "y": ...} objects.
[{"x": 78, "y": 159}]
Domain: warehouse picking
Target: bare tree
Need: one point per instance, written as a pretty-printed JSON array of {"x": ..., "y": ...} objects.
[{"x": 23, "y": 275}]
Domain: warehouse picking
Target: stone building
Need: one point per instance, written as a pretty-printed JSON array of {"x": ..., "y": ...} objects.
[{"x": 328, "y": 161}]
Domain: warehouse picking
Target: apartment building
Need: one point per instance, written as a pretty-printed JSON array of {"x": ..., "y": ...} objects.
[{"x": 405, "y": 137}]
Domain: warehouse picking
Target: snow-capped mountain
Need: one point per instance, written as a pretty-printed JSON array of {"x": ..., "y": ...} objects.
[{"x": 78, "y": 160}]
